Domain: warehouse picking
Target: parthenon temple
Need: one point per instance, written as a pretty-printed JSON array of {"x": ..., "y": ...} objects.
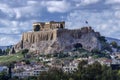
[{"x": 44, "y": 26}]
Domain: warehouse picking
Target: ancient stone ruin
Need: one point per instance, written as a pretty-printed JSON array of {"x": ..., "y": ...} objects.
[
  {"x": 45, "y": 26},
  {"x": 53, "y": 37}
]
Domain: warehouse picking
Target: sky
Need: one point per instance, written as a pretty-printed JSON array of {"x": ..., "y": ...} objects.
[{"x": 17, "y": 16}]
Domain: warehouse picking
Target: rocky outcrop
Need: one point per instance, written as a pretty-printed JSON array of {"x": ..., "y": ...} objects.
[{"x": 58, "y": 40}]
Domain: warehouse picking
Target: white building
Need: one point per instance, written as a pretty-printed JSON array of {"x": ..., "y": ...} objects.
[
  {"x": 3, "y": 68},
  {"x": 27, "y": 73},
  {"x": 28, "y": 70},
  {"x": 71, "y": 67}
]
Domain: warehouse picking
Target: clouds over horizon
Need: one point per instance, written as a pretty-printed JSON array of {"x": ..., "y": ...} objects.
[{"x": 17, "y": 16}]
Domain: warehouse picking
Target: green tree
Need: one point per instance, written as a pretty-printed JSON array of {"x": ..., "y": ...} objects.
[
  {"x": 27, "y": 61},
  {"x": 53, "y": 74},
  {"x": 114, "y": 44},
  {"x": 82, "y": 64},
  {"x": 106, "y": 46},
  {"x": 102, "y": 39},
  {"x": 1, "y": 52},
  {"x": 10, "y": 66},
  {"x": 3, "y": 76},
  {"x": 109, "y": 74},
  {"x": 118, "y": 49},
  {"x": 13, "y": 51},
  {"x": 4, "y": 52},
  {"x": 92, "y": 72},
  {"x": 71, "y": 79},
  {"x": 96, "y": 51},
  {"x": 7, "y": 50},
  {"x": 24, "y": 52}
]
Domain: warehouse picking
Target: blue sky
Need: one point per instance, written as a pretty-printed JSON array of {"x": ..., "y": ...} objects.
[{"x": 17, "y": 16}]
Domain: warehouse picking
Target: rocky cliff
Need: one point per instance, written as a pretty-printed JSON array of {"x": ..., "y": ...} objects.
[{"x": 58, "y": 40}]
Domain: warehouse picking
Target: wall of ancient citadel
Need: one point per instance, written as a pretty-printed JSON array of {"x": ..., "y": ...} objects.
[
  {"x": 57, "y": 40},
  {"x": 33, "y": 37}
]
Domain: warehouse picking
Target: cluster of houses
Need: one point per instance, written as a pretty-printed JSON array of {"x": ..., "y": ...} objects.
[
  {"x": 21, "y": 69},
  {"x": 25, "y": 70},
  {"x": 34, "y": 69},
  {"x": 68, "y": 66}
]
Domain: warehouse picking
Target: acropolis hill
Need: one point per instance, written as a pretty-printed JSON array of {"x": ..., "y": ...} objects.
[{"x": 53, "y": 37}]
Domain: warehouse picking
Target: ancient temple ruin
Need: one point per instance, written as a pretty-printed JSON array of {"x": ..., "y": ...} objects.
[{"x": 44, "y": 26}]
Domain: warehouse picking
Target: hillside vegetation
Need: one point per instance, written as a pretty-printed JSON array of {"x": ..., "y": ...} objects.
[{"x": 11, "y": 58}]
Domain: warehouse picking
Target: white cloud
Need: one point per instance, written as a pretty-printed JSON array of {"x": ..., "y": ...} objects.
[
  {"x": 116, "y": 7},
  {"x": 11, "y": 33},
  {"x": 57, "y": 6},
  {"x": 85, "y": 2},
  {"x": 32, "y": 2},
  {"x": 112, "y": 1},
  {"x": 88, "y": 1},
  {"x": 27, "y": 11},
  {"x": 6, "y": 40},
  {"x": 8, "y": 12},
  {"x": 15, "y": 27},
  {"x": 9, "y": 30},
  {"x": 17, "y": 19},
  {"x": 117, "y": 14},
  {"x": 18, "y": 13}
]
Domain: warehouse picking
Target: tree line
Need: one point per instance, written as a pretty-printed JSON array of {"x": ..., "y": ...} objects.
[{"x": 4, "y": 52}]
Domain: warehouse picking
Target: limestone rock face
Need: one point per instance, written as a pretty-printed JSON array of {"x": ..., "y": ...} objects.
[
  {"x": 58, "y": 40},
  {"x": 33, "y": 37}
]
